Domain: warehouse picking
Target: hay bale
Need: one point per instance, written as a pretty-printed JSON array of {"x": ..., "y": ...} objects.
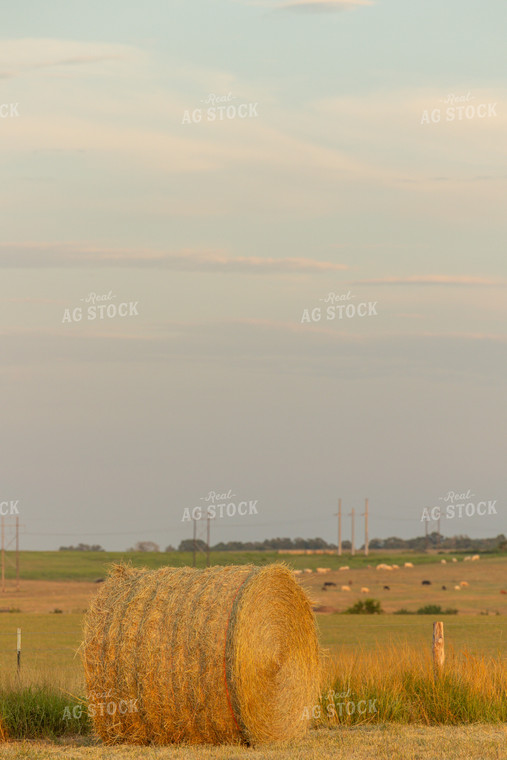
[{"x": 225, "y": 654}]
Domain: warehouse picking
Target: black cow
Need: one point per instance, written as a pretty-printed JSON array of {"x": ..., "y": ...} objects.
[
  {"x": 386, "y": 588},
  {"x": 444, "y": 588},
  {"x": 426, "y": 583},
  {"x": 329, "y": 583}
]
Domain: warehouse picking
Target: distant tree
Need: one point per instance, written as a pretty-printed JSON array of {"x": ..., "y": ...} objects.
[
  {"x": 188, "y": 545},
  {"x": 146, "y": 546},
  {"x": 169, "y": 548}
]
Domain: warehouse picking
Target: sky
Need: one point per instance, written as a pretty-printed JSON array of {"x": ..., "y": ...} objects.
[{"x": 291, "y": 218}]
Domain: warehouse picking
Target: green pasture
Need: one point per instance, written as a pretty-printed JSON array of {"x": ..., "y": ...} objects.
[{"x": 88, "y": 566}]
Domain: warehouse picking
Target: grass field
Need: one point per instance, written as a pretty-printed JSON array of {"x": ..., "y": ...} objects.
[
  {"x": 53, "y": 640},
  {"x": 476, "y": 742}
]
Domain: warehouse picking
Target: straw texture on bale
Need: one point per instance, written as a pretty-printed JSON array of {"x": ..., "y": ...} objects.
[{"x": 220, "y": 655}]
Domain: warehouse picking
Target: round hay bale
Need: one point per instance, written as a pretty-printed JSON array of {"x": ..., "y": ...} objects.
[{"x": 225, "y": 654}]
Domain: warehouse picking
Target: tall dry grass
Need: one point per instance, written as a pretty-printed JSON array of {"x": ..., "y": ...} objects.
[{"x": 399, "y": 685}]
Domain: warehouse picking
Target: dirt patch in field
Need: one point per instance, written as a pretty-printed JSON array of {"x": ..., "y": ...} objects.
[{"x": 46, "y": 596}]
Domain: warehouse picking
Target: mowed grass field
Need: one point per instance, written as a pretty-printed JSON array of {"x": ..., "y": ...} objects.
[{"x": 476, "y": 742}]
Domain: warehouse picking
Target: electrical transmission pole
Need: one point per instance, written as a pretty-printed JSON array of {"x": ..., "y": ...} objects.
[
  {"x": 339, "y": 514},
  {"x": 353, "y": 538},
  {"x": 366, "y": 527},
  {"x": 3, "y": 553}
]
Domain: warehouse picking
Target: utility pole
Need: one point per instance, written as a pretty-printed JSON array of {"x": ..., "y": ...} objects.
[
  {"x": 353, "y": 539},
  {"x": 17, "y": 553},
  {"x": 207, "y": 542},
  {"x": 439, "y": 536},
  {"x": 339, "y": 513},
  {"x": 426, "y": 535},
  {"x": 366, "y": 527},
  {"x": 194, "y": 542},
  {"x": 3, "y": 553}
]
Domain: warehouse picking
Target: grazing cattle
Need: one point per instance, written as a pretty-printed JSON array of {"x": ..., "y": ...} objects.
[
  {"x": 345, "y": 588},
  {"x": 444, "y": 588},
  {"x": 324, "y": 588},
  {"x": 307, "y": 570},
  {"x": 365, "y": 590},
  {"x": 457, "y": 588},
  {"x": 426, "y": 583},
  {"x": 323, "y": 569},
  {"x": 329, "y": 583},
  {"x": 408, "y": 564},
  {"x": 386, "y": 588},
  {"x": 454, "y": 559},
  {"x": 99, "y": 580},
  {"x": 475, "y": 557},
  {"x": 464, "y": 584},
  {"x": 443, "y": 562},
  {"x": 396, "y": 567},
  {"x": 345, "y": 567}
]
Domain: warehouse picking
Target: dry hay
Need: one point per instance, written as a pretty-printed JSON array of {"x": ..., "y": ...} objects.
[{"x": 225, "y": 654}]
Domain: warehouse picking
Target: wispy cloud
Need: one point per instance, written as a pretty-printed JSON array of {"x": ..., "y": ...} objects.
[
  {"x": 438, "y": 279},
  {"x": 73, "y": 255},
  {"x": 313, "y": 6},
  {"x": 317, "y": 6}
]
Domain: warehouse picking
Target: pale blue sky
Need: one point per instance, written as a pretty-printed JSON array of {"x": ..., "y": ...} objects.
[{"x": 224, "y": 232}]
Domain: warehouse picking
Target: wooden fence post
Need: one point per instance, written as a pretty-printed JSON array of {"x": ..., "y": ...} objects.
[
  {"x": 19, "y": 649},
  {"x": 438, "y": 648}
]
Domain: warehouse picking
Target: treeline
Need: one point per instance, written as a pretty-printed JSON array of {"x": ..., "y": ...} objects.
[
  {"x": 437, "y": 541},
  {"x": 433, "y": 541}
]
